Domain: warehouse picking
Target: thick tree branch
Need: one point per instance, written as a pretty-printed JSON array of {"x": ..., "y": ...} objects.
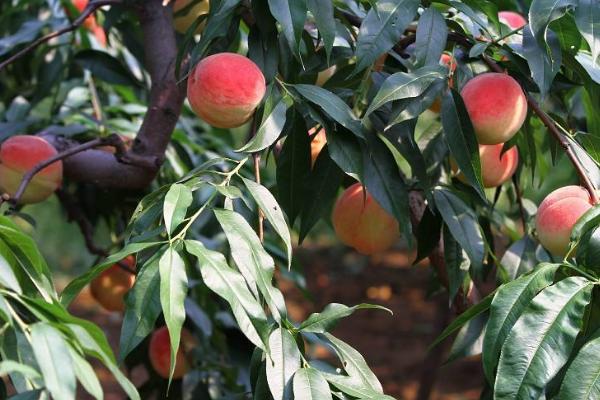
[
  {"x": 89, "y": 9},
  {"x": 136, "y": 168}
]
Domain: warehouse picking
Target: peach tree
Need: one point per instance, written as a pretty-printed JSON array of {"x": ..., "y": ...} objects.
[{"x": 207, "y": 136}]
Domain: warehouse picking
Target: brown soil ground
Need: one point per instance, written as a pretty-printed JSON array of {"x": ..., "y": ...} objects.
[{"x": 395, "y": 346}]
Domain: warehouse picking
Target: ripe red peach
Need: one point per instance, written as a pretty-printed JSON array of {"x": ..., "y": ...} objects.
[
  {"x": 90, "y": 22},
  {"x": 497, "y": 168},
  {"x": 318, "y": 141},
  {"x": 496, "y": 105},
  {"x": 556, "y": 216},
  {"x": 224, "y": 89},
  {"x": 159, "y": 353},
  {"x": 512, "y": 19},
  {"x": 183, "y": 22},
  {"x": 110, "y": 287},
  {"x": 360, "y": 222},
  {"x": 18, "y": 155},
  {"x": 449, "y": 62}
]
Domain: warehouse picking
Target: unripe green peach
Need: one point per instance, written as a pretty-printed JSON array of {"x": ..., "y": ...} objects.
[
  {"x": 496, "y": 105},
  {"x": 18, "y": 155},
  {"x": 110, "y": 287},
  {"x": 556, "y": 216},
  {"x": 360, "y": 222},
  {"x": 159, "y": 353},
  {"x": 512, "y": 19},
  {"x": 224, "y": 89},
  {"x": 183, "y": 22}
]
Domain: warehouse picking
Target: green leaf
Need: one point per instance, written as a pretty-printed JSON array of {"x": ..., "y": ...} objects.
[
  {"x": 269, "y": 130},
  {"x": 52, "y": 355},
  {"x": 541, "y": 340},
  {"x": 178, "y": 199},
  {"x": 461, "y": 139},
  {"x": 354, "y": 363},
  {"x": 230, "y": 285},
  {"x": 432, "y": 34},
  {"x": 402, "y": 85},
  {"x": 322, "y": 11},
  {"x": 509, "y": 303},
  {"x": 582, "y": 379},
  {"x": 283, "y": 363},
  {"x": 75, "y": 286},
  {"x": 542, "y": 12},
  {"x": 587, "y": 18},
  {"x": 321, "y": 190},
  {"x": 457, "y": 264},
  {"x": 544, "y": 61},
  {"x": 309, "y": 384},
  {"x": 382, "y": 28},
  {"x": 219, "y": 20},
  {"x": 463, "y": 224},
  {"x": 469, "y": 340},
  {"x": 142, "y": 307},
  {"x": 173, "y": 289},
  {"x": 105, "y": 67},
  {"x": 333, "y": 106},
  {"x": 8, "y": 278},
  {"x": 11, "y": 367},
  {"x": 520, "y": 257},
  {"x": 86, "y": 375},
  {"x": 254, "y": 262},
  {"x": 354, "y": 388},
  {"x": 585, "y": 60},
  {"x": 291, "y": 15},
  {"x": 272, "y": 212},
  {"x": 330, "y": 316},
  {"x": 588, "y": 251}
]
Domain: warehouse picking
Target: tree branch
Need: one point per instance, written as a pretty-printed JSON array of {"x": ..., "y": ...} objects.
[{"x": 89, "y": 9}]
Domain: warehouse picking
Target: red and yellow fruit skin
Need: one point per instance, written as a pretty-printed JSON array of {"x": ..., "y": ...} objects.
[
  {"x": 110, "y": 287},
  {"x": 18, "y": 155},
  {"x": 497, "y": 168},
  {"x": 182, "y": 23},
  {"x": 90, "y": 22},
  {"x": 512, "y": 19},
  {"x": 449, "y": 62},
  {"x": 556, "y": 216},
  {"x": 316, "y": 144},
  {"x": 224, "y": 89},
  {"x": 159, "y": 353},
  {"x": 496, "y": 105},
  {"x": 360, "y": 222}
]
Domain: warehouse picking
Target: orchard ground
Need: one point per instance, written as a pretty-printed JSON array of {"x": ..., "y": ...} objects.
[{"x": 395, "y": 346}]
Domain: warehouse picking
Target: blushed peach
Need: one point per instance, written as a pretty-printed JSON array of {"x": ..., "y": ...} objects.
[
  {"x": 496, "y": 105},
  {"x": 190, "y": 15},
  {"x": 18, "y": 155},
  {"x": 318, "y": 141},
  {"x": 497, "y": 168},
  {"x": 110, "y": 287},
  {"x": 512, "y": 19},
  {"x": 360, "y": 222},
  {"x": 90, "y": 22},
  {"x": 557, "y": 215},
  {"x": 323, "y": 76},
  {"x": 224, "y": 89},
  {"x": 159, "y": 353}
]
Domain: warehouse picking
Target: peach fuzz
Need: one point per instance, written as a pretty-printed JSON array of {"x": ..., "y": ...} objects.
[
  {"x": 110, "y": 287},
  {"x": 19, "y": 154},
  {"x": 512, "y": 19},
  {"x": 183, "y": 22},
  {"x": 360, "y": 222},
  {"x": 159, "y": 353},
  {"x": 496, "y": 105},
  {"x": 497, "y": 168},
  {"x": 318, "y": 141},
  {"x": 556, "y": 216},
  {"x": 224, "y": 89}
]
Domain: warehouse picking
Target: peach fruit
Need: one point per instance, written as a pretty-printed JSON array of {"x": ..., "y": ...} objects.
[
  {"x": 110, "y": 287},
  {"x": 90, "y": 22},
  {"x": 224, "y": 89},
  {"x": 19, "y": 154},
  {"x": 183, "y": 22},
  {"x": 497, "y": 168},
  {"x": 159, "y": 353},
  {"x": 360, "y": 222},
  {"x": 323, "y": 76},
  {"x": 496, "y": 105},
  {"x": 556, "y": 216},
  {"x": 512, "y": 19},
  {"x": 318, "y": 141},
  {"x": 449, "y": 62}
]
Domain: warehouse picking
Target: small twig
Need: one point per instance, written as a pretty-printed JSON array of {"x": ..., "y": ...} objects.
[
  {"x": 556, "y": 133},
  {"x": 520, "y": 202},
  {"x": 112, "y": 140},
  {"x": 256, "y": 159},
  {"x": 89, "y": 9},
  {"x": 75, "y": 213}
]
